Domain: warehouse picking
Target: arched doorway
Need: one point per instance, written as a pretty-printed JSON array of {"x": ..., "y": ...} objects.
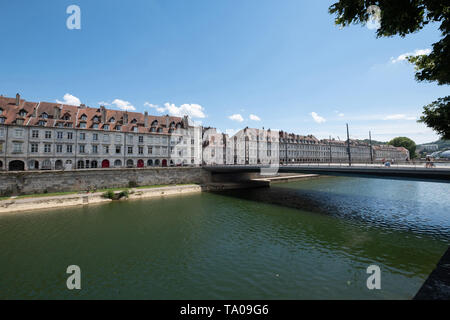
[
  {"x": 140, "y": 163},
  {"x": 164, "y": 163},
  {"x": 150, "y": 163},
  {"x": 80, "y": 164},
  {"x": 94, "y": 164},
  {"x": 33, "y": 165},
  {"x": 16, "y": 165},
  {"x": 46, "y": 165},
  {"x": 117, "y": 163},
  {"x": 1, "y": 165},
  {"x": 59, "y": 165},
  {"x": 130, "y": 163},
  {"x": 105, "y": 164},
  {"x": 157, "y": 162}
]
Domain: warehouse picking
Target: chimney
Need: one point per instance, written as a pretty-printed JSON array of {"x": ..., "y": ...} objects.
[
  {"x": 82, "y": 106},
  {"x": 56, "y": 113},
  {"x": 125, "y": 118},
  {"x": 17, "y": 99},
  {"x": 185, "y": 122},
  {"x": 103, "y": 112},
  {"x": 167, "y": 121},
  {"x": 146, "y": 119}
]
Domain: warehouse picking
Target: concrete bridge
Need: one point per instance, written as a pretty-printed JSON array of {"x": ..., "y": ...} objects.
[{"x": 403, "y": 172}]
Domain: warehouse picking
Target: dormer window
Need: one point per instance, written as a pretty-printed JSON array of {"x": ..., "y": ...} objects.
[
  {"x": 66, "y": 117},
  {"x": 106, "y": 127},
  {"x": 95, "y": 126},
  {"x": 134, "y": 121},
  {"x": 82, "y": 125},
  {"x": 112, "y": 120},
  {"x": 83, "y": 117},
  {"x": 1, "y": 110},
  {"x": 95, "y": 119},
  {"x": 118, "y": 128},
  {"x": 23, "y": 113},
  {"x": 59, "y": 125},
  {"x": 152, "y": 129},
  {"x": 160, "y": 130},
  {"x": 69, "y": 125},
  {"x": 155, "y": 123},
  {"x": 135, "y": 129},
  {"x": 19, "y": 121},
  {"x": 44, "y": 115},
  {"x": 42, "y": 122}
]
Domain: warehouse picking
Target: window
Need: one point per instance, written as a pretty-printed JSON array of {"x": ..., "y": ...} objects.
[
  {"x": 1, "y": 111},
  {"x": 47, "y": 148},
  {"x": 18, "y": 133},
  {"x": 2, "y": 132},
  {"x": 66, "y": 117},
  {"x": 96, "y": 119},
  {"x": 69, "y": 125},
  {"x": 130, "y": 150},
  {"x": 83, "y": 117},
  {"x": 44, "y": 115},
  {"x": 19, "y": 122},
  {"x": 48, "y": 134},
  {"x": 42, "y": 123},
  {"x": 82, "y": 136},
  {"x": 130, "y": 138},
  {"x": 35, "y": 134},
  {"x": 95, "y": 149},
  {"x": 59, "y": 135},
  {"x": 106, "y": 138},
  {"x": 69, "y": 135},
  {"x": 59, "y": 148},
  {"x": 69, "y": 148},
  {"x": 106, "y": 127},
  {"x": 2, "y": 120},
  {"x": 1, "y": 149},
  {"x": 141, "y": 150},
  {"x": 112, "y": 120},
  {"x": 135, "y": 129},
  {"x": 118, "y": 138},
  {"x": 34, "y": 147},
  {"x": 118, "y": 128},
  {"x": 150, "y": 150},
  {"x": 118, "y": 149},
  {"x": 95, "y": 137},
  {"x": 95, "y": 126},
  {"x": 192, "y": 141},
  {"x": 106, "y": 149},
  {"x": 83, "y": 125},
  {"x": 141, "y": 139},
  {"x": 17, "y": 148},
  {"x": 82, "y": 148}
]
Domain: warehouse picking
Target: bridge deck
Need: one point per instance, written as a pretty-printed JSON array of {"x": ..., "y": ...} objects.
[{"x": 396, "y": 172}]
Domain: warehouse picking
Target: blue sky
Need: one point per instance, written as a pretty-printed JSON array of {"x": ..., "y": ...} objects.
[{"x": 283, "y": 64}]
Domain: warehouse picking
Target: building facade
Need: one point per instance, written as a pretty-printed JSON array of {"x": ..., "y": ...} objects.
[{"x": 50, "y": 136}]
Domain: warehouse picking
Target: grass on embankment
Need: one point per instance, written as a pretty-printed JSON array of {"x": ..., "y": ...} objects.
[{"x": 54, "y": 194}]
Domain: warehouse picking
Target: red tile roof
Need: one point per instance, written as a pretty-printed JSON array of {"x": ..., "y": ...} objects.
[{"x": 53, "y": 113}]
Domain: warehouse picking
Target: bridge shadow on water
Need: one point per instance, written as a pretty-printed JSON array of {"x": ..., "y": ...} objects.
[{"x": 393, "y": 232}]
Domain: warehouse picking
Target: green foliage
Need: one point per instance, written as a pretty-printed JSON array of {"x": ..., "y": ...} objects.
[
  {"x": 405, "y": 143},
  {"x": 436, "y": 115},
  {"x": 124, "y": 194},
  {"x": 109, "y": 194},
  {"x": 132, "y": 184},
  {"x": 402, "y": 17}
]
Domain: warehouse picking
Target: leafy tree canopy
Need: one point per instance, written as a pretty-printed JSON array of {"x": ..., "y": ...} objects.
[
  {"x": 402, "y": 17},
  {"x": 405, "y": 143}
]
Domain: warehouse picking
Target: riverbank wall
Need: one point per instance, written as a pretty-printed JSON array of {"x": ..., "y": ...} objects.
[
  {"x": 52, "y": 202},
  {"x": 38, "y": 182}
]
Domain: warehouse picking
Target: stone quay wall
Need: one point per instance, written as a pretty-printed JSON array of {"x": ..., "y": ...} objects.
[{"x": 31, "y": 182}]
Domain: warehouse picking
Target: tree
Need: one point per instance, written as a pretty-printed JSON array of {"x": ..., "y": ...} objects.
[
  {"x": 437, "y": 116},
  {"x": 406, "y": 143},
  {"x": 402, "y": 17}
]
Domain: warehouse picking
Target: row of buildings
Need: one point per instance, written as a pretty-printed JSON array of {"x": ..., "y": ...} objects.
[{"x": 52, "y": 136}]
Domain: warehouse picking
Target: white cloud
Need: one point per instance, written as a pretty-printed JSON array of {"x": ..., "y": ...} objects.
[
  {"x": 103, "y": 103},
  {"x": 154, "y": 106},
  {"x": 191, "y": 110},
  {"x": 341, "y": 115},
  {"x": 404, "y": 56},
  {"x": 236, "y": 117},
  {"x": 255, "y": 117},
  {"x": 317, "y": 118},
  {"x": 70, "y": 100},
  {"x": 399, "y": 117},
  {"x": 123, "y": 105}
]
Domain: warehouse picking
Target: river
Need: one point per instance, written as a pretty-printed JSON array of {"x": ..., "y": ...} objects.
[{"x": 312, "y": 239}]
